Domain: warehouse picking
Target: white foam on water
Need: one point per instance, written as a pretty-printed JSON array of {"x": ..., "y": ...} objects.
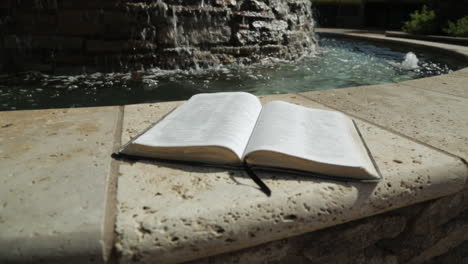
[{"x": 410, "y": 62}]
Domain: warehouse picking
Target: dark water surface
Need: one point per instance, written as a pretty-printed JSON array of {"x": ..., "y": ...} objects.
[{"x": 337, "y": 64}]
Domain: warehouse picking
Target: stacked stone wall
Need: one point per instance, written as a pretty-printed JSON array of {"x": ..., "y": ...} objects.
[
  {"x": 121, "y": 34},
  {"x": 427, "y": 233}
]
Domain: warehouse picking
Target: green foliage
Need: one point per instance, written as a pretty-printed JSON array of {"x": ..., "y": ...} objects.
[
  {"x": 458, "y": 29},
  {"x": 421, "y": 22}
]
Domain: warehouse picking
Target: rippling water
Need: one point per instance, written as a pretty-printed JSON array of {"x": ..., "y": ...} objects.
[{"x": 338, "y": 64}]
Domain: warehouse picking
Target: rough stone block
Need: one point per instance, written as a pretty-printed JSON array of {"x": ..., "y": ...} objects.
[
  {"x": 54, "y": 42},
  {"x": 455, "y": 255},
  {"x": 323, "y": 246},
  {"x": 118, "y": 24},
  {"x": 440, "y": 212},
  {"x": 199, "y": 24},
  {"x": 359, "y": 242},
  {"x": 225, "y": 2},
  {"x": 12, "y": 42},
  {"x": 87, "y": 5},
  {"x": 34, "y": 5},
  {"x": 255, "y": 5},
  {"x": 102, "y": 46},
  {"x": 206, "y": 30},
  {"x": 275, "y": 25},
  {"x": 35, "y": 23},
  {"x": 246, "y": 37},
  {"x": 295, "y": 36},
  {"x": 413, "y": 247},
  {"x": 79, "y": 23}
]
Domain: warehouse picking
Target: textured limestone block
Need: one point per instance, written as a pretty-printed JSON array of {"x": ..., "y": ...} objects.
[
  {"x": 456, "y": 255},
  {"x": 60, "y": 43},
  {"x": 100, "y": 46},
  {"x": 205, "y": 30},
  {"x": 255, "y": 5},
  {"x": 348, "y": 239},
  {"x": 86, "y": 5},
  {"x": 79, "y": 23},
  {"x": 345, "y": 244},
  {"x": 55, "y": 173},
  {"x": 225, "y": 2},
  {"x": 33, "y": 23},
  {"x": 118, "y": 24},
  {"x": 171, "y": 213},
  {"x": 440, "y": 212},
  {"x": 413, "y": 247}
]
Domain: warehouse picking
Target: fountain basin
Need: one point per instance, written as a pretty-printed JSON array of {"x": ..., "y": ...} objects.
[
  {"x": 336, "y": 64},
  {"x": 61, "y": 201}
]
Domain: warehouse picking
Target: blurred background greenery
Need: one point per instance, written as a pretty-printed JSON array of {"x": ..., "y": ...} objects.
[{"x": 385, "y": 14}]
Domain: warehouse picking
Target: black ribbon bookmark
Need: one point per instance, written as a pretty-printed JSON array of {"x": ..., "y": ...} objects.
[{"x": 263, "y": 187}]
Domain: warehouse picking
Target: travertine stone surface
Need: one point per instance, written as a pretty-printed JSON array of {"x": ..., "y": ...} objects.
[
  {"x": 171, "y": 213},
  {"x": 436, "y": 119},
  {"x": 55, "y": 166}
]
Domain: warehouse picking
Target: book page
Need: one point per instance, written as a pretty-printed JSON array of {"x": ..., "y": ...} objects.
[
  {"x": 311, "y": 134},
  {"x": 220, "y": 119}
]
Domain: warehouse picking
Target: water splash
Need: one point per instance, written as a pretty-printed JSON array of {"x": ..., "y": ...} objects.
[{"x": 410, "y": 62}]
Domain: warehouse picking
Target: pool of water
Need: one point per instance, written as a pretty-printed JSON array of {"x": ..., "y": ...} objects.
[{"x": 337, "y": 64}]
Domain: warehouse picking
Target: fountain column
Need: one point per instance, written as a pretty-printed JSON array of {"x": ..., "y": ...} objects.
[{"x": 122, "y": 34}]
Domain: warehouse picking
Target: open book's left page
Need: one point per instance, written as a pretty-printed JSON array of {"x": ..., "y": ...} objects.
[{"x": 207, "y": 128}]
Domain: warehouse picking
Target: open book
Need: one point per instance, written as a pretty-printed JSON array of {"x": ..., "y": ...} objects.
[{"x": 232, "y": 128}]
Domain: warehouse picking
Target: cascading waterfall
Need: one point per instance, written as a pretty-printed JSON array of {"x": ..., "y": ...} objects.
[{"x": 130, "y": 33}]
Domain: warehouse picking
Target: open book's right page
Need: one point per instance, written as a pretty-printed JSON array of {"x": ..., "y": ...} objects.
[{"x": 327, "y": 139}]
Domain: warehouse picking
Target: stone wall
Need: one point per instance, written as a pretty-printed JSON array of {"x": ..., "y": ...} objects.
[
  {"x": 120, "y": 34},
  {"x": 432, "y": 232}
]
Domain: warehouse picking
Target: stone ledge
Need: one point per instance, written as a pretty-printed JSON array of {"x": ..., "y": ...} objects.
[
  {"x": 54, "y": 185},
  {"x": 154, "y": 228},
  {"x": 169, "y": 213},
  {"x": 460, "y": 53},
  {"x": 443, "y": 39}
]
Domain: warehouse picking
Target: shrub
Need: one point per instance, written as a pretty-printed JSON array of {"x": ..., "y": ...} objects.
[
  {"x": 458, "y": 29},
  {"x": 421, "y": 22}
]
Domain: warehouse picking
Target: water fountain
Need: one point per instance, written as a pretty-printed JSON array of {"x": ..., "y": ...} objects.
[
  {"x": 410, "y": 62},
  {"x": 132, "y": 51},
  {"x": 51, "y": 35}
]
